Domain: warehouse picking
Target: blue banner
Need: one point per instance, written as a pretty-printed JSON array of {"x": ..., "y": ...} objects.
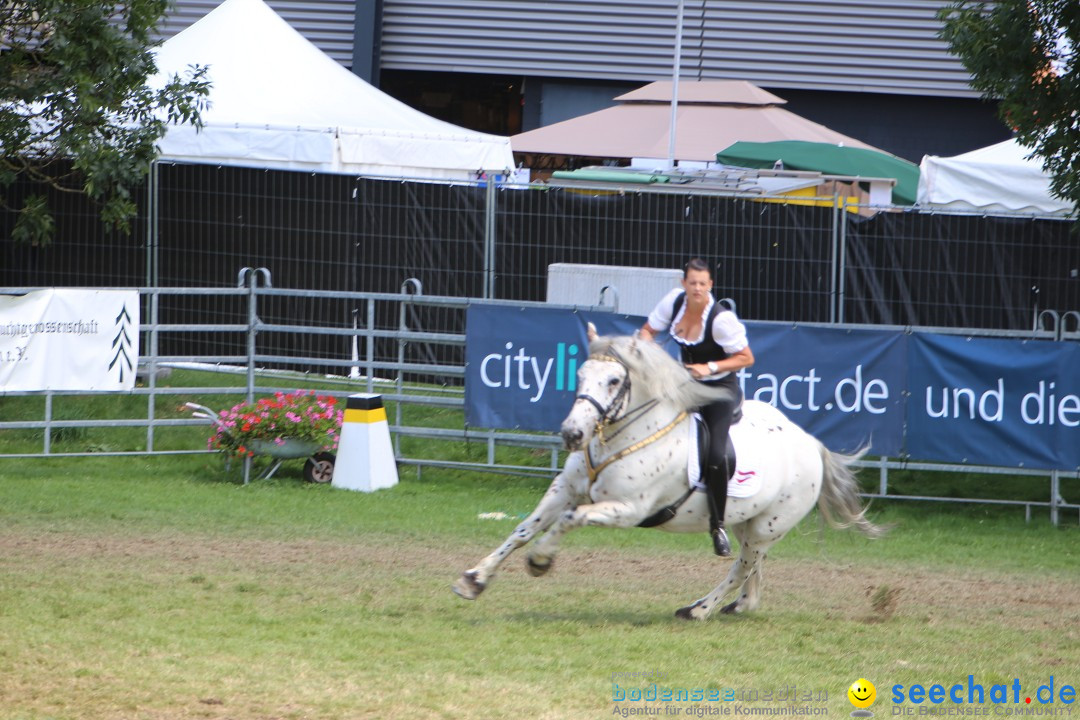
[
  {"x": 996, "y": 402},
  {"x": 521, "y": 363},
  {"x": 1008, "y": 403},
  {"x": 844, "y": 387}
]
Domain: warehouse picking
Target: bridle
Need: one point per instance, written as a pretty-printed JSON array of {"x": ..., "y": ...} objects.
[{"x": 609, "y": 414}]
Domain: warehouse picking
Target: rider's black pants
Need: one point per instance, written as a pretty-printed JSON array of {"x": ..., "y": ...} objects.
[{"x": 718, "y": 417}]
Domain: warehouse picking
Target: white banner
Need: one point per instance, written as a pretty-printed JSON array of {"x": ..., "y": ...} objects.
[{"x": 67, "y": 339}]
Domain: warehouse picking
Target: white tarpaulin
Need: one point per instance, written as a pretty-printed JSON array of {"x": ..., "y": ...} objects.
[
  {"x": 277, "y": 101},
  {"x": 998, "y": 178},
  {"x": 64, "y": 339}
]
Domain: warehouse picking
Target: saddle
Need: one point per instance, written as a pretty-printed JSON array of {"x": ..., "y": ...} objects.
[{"x": 704, "y": 439}]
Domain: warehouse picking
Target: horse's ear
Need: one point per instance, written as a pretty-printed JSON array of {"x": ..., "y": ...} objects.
[{"x": 591, "y": 332}]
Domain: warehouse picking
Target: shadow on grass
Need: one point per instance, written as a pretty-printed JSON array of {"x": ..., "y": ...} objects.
[{"x": 601, "y": 617}]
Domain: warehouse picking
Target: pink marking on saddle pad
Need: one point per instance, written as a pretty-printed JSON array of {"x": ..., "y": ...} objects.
[{"x": 743, "y": 475}]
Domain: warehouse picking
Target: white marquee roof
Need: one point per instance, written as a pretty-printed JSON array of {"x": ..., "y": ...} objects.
[{"x": 277, "y": 101}]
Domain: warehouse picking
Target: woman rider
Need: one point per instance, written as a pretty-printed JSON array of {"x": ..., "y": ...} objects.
[{"x": 714, "y": 347}]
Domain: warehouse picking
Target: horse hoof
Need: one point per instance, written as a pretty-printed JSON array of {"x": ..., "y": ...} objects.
[
  {"x": 687, "y": 613},
  {"x": 537, "y": 569},
  {"x": 731, "y": 608},
  {"x": 467, "y": 586}
]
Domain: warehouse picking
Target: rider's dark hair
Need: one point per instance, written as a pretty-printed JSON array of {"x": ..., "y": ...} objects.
[{"x": 696, "y": 264}]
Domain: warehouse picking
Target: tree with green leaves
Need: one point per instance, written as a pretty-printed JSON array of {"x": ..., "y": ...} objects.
[
  {"x": 76, "y": 112},
  {"x": 1024, "y": 54}
]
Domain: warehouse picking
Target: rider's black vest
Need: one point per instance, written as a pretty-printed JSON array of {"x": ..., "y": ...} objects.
[{"x": 708, "y": 350}]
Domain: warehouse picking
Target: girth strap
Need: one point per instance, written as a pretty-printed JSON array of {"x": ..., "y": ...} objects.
[
  {"x": 667, "y": 512},
  {"x": 594, "y": 471}
]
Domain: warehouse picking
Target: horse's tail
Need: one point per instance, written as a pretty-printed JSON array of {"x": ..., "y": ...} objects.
[{"x": 839, "y": 501}]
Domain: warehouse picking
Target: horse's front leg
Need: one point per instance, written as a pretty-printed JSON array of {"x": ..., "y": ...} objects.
[
  {"x": 611, "y": 513},
  {"x": 564, "y": 493}
]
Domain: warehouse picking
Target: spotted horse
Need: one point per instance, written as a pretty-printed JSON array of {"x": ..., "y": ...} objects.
[{"x": 630, "y": 436}]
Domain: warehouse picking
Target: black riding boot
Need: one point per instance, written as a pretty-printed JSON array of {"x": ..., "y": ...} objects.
[{"x": 716, "y": 478}]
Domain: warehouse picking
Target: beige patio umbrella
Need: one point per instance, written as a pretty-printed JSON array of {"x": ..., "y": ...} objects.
[{"x": 711, "y": 115}]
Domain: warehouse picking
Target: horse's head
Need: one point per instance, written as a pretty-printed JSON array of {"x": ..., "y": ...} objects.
[
  {"x": 603, "y": 394},
  {"x": 618, "y": 368}
]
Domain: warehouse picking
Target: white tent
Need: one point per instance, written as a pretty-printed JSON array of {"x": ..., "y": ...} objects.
[
  {"x": 277, "y": 101},
  {"x": 994, "y": 179}
]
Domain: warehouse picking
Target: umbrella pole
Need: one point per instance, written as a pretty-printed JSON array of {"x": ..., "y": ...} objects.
[{"x": 675, "y": 87}]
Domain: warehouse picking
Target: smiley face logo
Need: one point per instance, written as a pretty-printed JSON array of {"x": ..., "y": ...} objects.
[{"x": 862, "y": 695}]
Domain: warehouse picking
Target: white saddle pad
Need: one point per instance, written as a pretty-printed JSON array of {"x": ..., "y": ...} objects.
[{"x": 744, "y": 483}]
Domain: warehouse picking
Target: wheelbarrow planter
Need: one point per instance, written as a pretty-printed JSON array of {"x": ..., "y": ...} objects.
[{"x": 319, "y": 467}]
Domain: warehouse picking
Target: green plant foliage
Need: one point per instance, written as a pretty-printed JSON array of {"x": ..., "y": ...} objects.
[
  {"x": 76, "y": 113},
  {"x": 1024, "y": 54}
]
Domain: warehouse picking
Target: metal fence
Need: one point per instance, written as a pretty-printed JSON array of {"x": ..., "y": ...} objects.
[
  {"x": 357, "y": 244},
  {"x": 366, "y": 359},
  {"x": 779, "y": 260}
]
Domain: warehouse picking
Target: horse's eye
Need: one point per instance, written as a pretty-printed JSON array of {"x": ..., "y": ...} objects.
[{"x": 613, "y": 382}]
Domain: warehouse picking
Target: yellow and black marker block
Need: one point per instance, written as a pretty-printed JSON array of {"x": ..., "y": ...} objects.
[{"x": 365, "y": 457}]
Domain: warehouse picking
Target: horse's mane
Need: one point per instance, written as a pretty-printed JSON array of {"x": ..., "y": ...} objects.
[{"x": 650, "y": 366}]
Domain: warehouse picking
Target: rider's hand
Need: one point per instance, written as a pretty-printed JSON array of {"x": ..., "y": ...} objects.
[{"x": 698, "y": 370}]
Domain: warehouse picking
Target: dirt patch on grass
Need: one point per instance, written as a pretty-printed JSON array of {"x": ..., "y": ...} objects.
[
  {"x": 846, "y": 590},
  {"x": 176, "y": 625}
]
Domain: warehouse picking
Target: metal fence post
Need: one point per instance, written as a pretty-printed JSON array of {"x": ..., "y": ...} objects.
[
  {"x": 834, "y": 257},
  {"x": 841, "y": 268},
  {"x": 153, "y": 193},
  {"x": 403, "y": 327},
  {"x": 251, "y": 275},
  {"x": 369, "y": 346},
  {"x": 47, "y": 447},
  {"x": 152, "y": 367},
  {"x": 883, "y": 477},
  {"x": 152, "y": 225},
  {"x": 489, "y": 240},
  {"x": 1055, "y": 496}
]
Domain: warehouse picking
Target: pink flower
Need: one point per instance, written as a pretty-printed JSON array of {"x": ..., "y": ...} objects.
[{"x": 300, "y": 415}]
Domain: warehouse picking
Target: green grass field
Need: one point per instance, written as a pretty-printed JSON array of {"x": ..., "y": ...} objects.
[{"x": 162, "y": 588}]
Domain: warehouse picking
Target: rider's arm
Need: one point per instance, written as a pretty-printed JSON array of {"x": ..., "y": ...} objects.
[
  {"x": 729, "y": 332},
  {"x": 647, "y": 332},
  {"x": 732, "y": 363},
  {"x": 660, "y": 319}
]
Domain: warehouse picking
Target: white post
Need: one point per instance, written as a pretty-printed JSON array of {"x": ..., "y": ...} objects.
[
  {"x": 675, "y": 88},
  {"x": 365, "y": 457}
]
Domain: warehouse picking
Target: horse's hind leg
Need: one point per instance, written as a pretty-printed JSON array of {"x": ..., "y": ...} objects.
[
  {"x": 750, "y": 595},
  {"x": 750, "y": 556},
  {"x": 560, "y": 497},
  {"x": 750, "y": 592}
]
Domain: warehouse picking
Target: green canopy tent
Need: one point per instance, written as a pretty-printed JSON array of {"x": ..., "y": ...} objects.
[{"x": 828, "y": 159}]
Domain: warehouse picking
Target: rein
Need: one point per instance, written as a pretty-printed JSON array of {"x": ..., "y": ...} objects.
[{"x": 595, "y": 470}]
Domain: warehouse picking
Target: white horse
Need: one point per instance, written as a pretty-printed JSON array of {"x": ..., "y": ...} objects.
[{"x": 629, "y": 434}]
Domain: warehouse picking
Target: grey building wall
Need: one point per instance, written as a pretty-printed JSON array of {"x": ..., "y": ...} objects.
[
  {"x": 845, "y": 45},
  {"x": 327, "y": 23}
]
